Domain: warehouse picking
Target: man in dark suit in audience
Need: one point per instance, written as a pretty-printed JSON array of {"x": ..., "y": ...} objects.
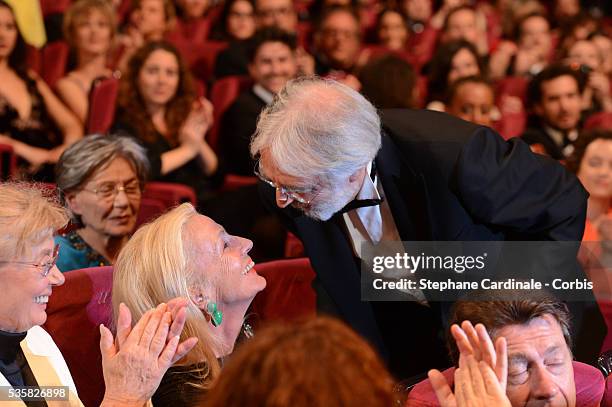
[
  {"x": 555, "y": 95},
  {"x": 271, "y": 64},
  {"x": 337, "y": 181}
]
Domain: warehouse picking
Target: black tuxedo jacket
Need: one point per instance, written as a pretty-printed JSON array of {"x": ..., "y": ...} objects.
[
  {"x": 444, "y": 179},
  {"x": 237, "y": 126}
]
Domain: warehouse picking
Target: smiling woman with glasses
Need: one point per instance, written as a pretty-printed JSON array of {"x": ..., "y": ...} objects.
[
  {"x": 44, "y": 267},
  {"x": 100, "y": 180}
]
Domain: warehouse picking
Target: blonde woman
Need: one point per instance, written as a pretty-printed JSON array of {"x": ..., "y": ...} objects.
[
  {"x": 133, "y": 365},
  {"x": 185, "y": 254},
  {"x": 89, "y": 28}
]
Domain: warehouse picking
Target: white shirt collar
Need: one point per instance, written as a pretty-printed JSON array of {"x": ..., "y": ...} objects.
[
  {"x": 263, "y": 93},
  {"x": 368, "y": 188}
]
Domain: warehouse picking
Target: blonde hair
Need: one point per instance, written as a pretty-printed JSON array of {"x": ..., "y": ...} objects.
[
  {"x": 152, "y": 268},
  {"x": 81, "y": 9},
  {"x": 27, "y": 217}
]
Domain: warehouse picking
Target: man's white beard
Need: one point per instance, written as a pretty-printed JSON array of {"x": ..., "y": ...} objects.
[{"x": 324, "y": 207}]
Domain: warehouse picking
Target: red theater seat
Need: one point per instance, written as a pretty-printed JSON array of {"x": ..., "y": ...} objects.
[
  {"x": 288, "y": 294},
  {"x": 75, "y": 311},
  {"x": 53, "y": 61},
  {"x": 293, "y": 246},
  {"x": 590, "y": 387},
  {"x": 54, "y": 6},
  {"x": 102, "y": 100},
  {"x": 49, "y": 62},
  {"x": 601, "y": 120},
  {"x": 200, "y": 56},
  {"x": 233, "y": 181},
  {"x": 513, "y": 86},
  {"x": 192, "y": 31},
  {"x": 150, "y": 209},
  {"x": 170, "y": 194},
  {"x": 158, "y": 197}
]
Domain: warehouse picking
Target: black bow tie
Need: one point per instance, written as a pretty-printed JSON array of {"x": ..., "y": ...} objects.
[{"x": 361, "y": 203}]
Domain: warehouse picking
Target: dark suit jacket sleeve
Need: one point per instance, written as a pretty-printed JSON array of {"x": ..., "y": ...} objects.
[{"x": 503, "y": 184}]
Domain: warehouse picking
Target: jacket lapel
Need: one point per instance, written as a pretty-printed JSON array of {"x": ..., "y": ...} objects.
[
  {"x": 406, "y": 193},
  {"x": 45, "y": 374}
]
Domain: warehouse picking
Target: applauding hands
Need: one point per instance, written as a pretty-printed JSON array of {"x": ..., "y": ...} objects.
[
  {"x": 482, "y": 375},
  {"x": 136, "y": 360}
]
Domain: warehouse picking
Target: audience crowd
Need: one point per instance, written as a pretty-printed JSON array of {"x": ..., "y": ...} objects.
[{"x": 133, "y": 92}]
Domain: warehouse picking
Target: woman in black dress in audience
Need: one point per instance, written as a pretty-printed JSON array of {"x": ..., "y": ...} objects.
[
  {"x": 33, "y": 121},
  {"x": 158, "y": 106}
]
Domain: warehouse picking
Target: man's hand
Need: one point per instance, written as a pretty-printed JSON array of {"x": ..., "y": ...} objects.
[
  {"x": 477, "y": 386},
  {"x": 472, "y": 342},
  {"x": 135, "y": 363},
  {"x": 477, "y": 342}
]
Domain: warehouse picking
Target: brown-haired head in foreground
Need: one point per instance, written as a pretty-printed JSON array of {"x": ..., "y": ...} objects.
[
  {"x": 316, "y": 363},
  {"x": 518, "y": 308}
]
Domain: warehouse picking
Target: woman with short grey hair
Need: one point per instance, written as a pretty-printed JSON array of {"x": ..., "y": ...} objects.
[{"x": 100, "y": 180}]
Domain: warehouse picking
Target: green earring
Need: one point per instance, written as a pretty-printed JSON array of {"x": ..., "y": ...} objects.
[{"x": 215, "y": 315}]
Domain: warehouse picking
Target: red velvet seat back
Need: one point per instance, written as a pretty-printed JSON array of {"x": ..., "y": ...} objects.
[
  {"x": 590, "y": 388},
  {"x": 199, "y": 56},
  {"x": 189, "y": 31},
  {"x": 288, "y": 294},
  {"x": 599, "y": 120},
  {"x": 158, "y": 197},
  {"x": 75, "y": 311},
  {"x": 54, "y": 6},
  {"x": 150, "y": 208},
  {"x": 53, "y": 61},
  {"x": 102, "y": 100},
  {"x": 513, "y": 86},
  {"x": 170, "y": 194}
]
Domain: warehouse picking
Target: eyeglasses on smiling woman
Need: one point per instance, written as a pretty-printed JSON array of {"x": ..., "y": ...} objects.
[{"x": 45, "y": 268}]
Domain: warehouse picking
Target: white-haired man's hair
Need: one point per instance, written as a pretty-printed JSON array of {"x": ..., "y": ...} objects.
[{"x": 318, "y": 128}]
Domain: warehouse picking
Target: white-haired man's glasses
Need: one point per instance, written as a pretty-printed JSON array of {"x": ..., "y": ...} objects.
[{"x": 286, "y": 193}]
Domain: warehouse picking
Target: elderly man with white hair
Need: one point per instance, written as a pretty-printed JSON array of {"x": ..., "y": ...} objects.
[{"x": 425, "y": 176}]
